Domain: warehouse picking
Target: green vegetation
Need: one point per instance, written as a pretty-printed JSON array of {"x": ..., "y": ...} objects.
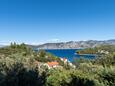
[
  {"x": 18, "y": 68},
  {"x": 102, "y": 49}
]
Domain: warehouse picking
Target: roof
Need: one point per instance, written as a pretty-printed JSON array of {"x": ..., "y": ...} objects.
[{"x": 52, "y": 63}]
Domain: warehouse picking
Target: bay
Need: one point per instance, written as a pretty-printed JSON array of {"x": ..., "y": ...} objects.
[{"x": 70, "y": 54}]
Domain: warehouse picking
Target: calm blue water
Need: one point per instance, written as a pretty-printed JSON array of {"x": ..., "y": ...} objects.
[{"x": 70, "y": 54}]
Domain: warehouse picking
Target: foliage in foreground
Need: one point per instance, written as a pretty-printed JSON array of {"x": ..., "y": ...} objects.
[{"x": 17, "y": 68}]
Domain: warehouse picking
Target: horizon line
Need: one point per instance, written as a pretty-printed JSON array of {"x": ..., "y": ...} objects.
[{"x": 40, "y": 43}]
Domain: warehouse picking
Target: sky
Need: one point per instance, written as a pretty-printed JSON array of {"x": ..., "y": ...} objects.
[{"x": 41, "y": 21}]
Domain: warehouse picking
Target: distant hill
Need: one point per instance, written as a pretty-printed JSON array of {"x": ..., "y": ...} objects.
[
  {"x": 2, "y": 46},
  {"x": 74, "y": 44}
]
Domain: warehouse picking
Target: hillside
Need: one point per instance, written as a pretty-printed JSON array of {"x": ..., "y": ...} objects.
[{"x": 74, "y": 44}]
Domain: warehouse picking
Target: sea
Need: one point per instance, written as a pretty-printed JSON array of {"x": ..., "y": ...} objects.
[{"x": 70, "y": 54}]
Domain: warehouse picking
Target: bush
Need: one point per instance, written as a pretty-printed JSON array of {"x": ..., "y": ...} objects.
[
  {"x": 71, "y": 78},
  {"x": 107, "y": 76},
  {"x": 18, "y": 75}
]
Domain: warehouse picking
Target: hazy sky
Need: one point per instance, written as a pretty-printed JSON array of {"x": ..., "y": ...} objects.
[{"x": 39, "y": 21}]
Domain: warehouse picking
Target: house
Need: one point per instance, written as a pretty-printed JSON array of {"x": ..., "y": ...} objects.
[
  {"x": 52, "y": 64},
  {"x": 40, "y": 64},
  {"x": 64, "y": 60},
  {"x": 103, "y": 52},
  {"x": 49, "y": 65},
  {"x": 67, "y": 62}
]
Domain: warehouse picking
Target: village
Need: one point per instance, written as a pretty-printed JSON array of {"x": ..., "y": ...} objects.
[{"x": 54, "y": 64}]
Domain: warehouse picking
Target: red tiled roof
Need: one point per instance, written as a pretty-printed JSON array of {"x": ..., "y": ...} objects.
[{"x": 52, "y": 63}]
